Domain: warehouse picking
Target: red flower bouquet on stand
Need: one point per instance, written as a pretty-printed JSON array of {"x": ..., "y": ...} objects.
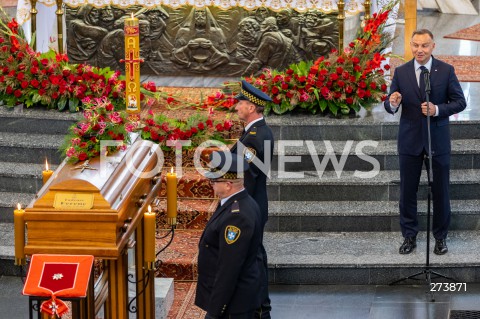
[{"x": 340, "y": 83}]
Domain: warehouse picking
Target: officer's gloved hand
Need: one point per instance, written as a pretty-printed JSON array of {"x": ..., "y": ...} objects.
[{"x": 209, "y": 316}]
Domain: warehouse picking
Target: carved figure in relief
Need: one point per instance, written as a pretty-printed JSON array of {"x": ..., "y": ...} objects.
[
  {"x": 247, "y": 39},
  {"x": 106, "y": 18},
  {"x": 318, "y": 35},
  {"x": 84, "y": 34},
  {"x": 260, "y": 14},
  {"x": 275, "y": 50},
  {"x": 200, "y": 44},
  {"x": 289, "y": 25},
  {"x": 161, "y": 45}
]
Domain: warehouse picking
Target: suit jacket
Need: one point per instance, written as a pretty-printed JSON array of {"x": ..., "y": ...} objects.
[
  {"x": 446, "y": 93},
  {"x": 255, "y": 179},
  {"x": 229, "y": 258}
]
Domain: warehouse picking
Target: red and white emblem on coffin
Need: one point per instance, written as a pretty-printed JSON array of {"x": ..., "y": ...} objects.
[{"x": 58, "y": 276}]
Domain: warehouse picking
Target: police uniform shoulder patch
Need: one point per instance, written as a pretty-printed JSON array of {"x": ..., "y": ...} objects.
[
  {"x": 235, "y": 208},
  {"x": 253, "y": 131},
  {"x": 232, "y": 233},
  {"x": 249, "y": 154}
]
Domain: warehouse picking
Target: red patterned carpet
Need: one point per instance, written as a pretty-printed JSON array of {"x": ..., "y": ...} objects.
[
  {"x": 179, "y": 260},
  {"x": 183, "y": 307},
  {"x": 471, "y": 33},
  {"x": 467, "y": 68},
  {"x": 191, "y": 185},
  {"x": 193, "y": 213}
]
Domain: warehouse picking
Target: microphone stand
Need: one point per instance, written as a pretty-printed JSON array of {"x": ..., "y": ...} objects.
[{"x": 427, "y": 271}]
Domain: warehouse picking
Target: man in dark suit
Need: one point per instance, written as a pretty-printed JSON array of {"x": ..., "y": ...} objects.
[
  {"x": 256, "y": 145},
  {"x": 230, "y": 264},
  {"x": 446, "y": 98}
]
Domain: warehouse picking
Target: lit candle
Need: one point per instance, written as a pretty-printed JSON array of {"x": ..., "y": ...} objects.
[
  {"x": 132, "y": 64},
  {"x": 172, "y": 198},
  {"x": 149, "y": 223},
  {"x": 19, "y": 225},
  {"x": 46, "y": 173}
]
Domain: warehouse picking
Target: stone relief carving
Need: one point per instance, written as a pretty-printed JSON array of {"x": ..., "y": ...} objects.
[{"x": 207, "y": 41}]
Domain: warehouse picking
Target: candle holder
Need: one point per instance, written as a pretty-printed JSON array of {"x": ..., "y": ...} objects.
[
  {"x": 33, "y": 22},
  {"x": 341, "y": 23},
  {"x": 59, "y": 14},
  {"x": 20, "y": 261},
  {"x": 366, "y": 4},
  {"x": 170, "y": 233},
  {"x": 172, "y": 221},
  {"x": 150, "y": 268}
]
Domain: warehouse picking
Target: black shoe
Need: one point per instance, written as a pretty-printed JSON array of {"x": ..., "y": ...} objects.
[
  {"x": 408, "y": 245},
  {"x": 440, "y": 247}
]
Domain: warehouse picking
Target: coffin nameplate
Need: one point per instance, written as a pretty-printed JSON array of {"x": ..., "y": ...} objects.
[{"x": 73, "y": 201}]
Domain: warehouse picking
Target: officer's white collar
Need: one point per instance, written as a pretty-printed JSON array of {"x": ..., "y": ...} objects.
[
  {"x": 249, "y": 125},
  {"x": 224, "y": 200}
]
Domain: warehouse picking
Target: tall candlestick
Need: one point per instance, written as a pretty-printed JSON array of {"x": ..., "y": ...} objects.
[
  {"x": 59, "y": 14},
  {"x": 132, "y": 64},
  {"x": 149, "y": 223},
  {"x": 172, "y": 198},
  {"x": 33, "y": 14},
  {"x": 19, "y": 226},
  {"x": 47, "y": 173}
]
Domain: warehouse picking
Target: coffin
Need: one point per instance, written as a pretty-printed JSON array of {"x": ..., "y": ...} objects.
[{"x": 94, "y": 210}]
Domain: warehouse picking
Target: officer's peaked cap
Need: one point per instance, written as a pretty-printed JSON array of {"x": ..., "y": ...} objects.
[
  {"x": 250, "y": 93},
  {"x": 226, "y": 165}
]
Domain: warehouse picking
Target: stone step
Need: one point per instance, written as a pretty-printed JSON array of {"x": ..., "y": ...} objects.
[
  {"x": 30, "y": 148},
  {"x": 365, "y": 257},
  {"x": 21, "y": 177},
  {"x": 8, "y": 202},
  {"x": 375, "y": 126},
  {"x": 36, "y": 121},
  {"x": 359, "y": 216},
  {"x": 7, "y": 251},
  {"x": 384, "y": 186},
  {"x": 299, "y": 157},
  {"x": 164, "y": 296}
]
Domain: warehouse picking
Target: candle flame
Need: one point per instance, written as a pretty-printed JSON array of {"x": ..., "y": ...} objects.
[
  {"x": 19, "y": 206},
  {"x": 149, "y": 208},
  {"x": 132, "y": 15},
  {"x": 46, "y": 164},
  {"x": 171, "y": 170}
]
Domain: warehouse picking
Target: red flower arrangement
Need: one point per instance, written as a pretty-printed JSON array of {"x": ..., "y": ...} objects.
[
  {"x": 49, "y": 79},
  {"x": 100, "y": 122},
  {"x": 341, "y": 82},
  {"x": 196, "y": 129}
]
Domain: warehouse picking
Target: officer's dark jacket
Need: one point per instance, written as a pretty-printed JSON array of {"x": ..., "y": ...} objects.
[
  {"x": 255, "y": 179},
  {"x": 229, "y": 274}
]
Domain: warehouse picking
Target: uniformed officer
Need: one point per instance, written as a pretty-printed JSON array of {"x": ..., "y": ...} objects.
[
  {"x": 256, "y": 144},
  {"x": 230, "y": 262}
]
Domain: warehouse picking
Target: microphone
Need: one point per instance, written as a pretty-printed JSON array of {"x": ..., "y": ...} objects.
[{"x": 426, "y": 78}]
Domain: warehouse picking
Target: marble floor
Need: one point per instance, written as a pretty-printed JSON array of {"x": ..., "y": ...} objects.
[
  {"x": 369, "y": 302},
  {"x": 319, "y": 302}
]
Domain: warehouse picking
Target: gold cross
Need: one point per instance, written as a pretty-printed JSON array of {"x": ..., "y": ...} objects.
[{"x": 84, "y": 166}]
